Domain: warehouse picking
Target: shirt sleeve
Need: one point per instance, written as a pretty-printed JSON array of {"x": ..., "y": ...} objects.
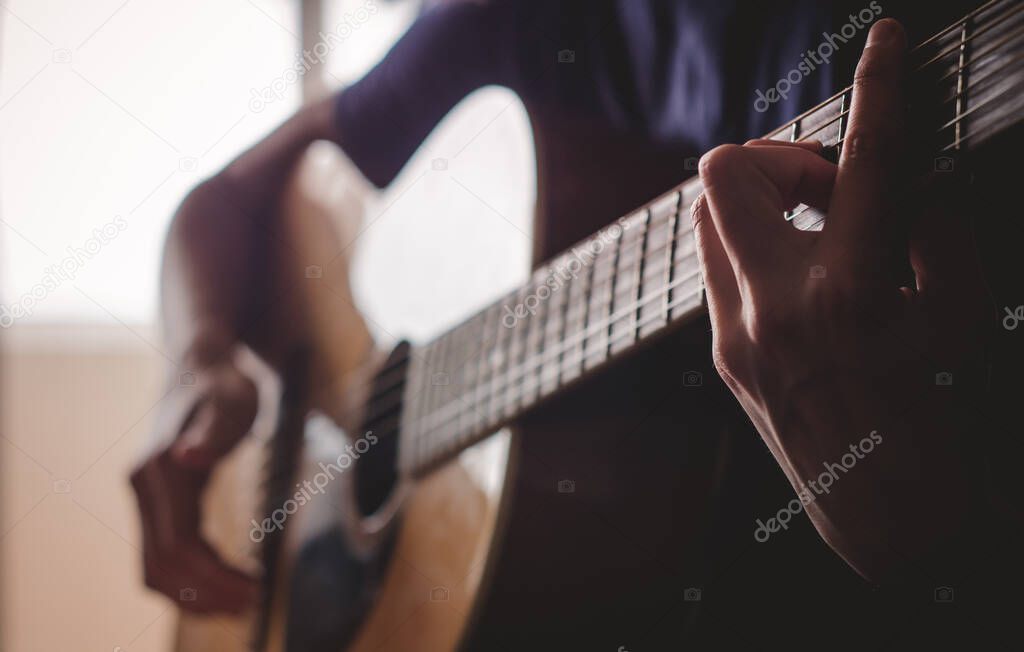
[{"x": 449, "y": 52}]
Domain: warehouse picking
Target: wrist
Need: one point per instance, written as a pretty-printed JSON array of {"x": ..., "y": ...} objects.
[{"x": 208, "y": 345}]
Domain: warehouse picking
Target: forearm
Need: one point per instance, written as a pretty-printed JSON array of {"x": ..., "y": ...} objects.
[
  {"x": 262, "y": 170},
  {"x": 224, "y": 240}
]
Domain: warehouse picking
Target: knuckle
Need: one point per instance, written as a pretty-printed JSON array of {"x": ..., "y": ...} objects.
[
  {"x": 864, "y": 144},
  {"x": 770, "y": 329},
  {"x": 699, "y": 210},
  {"x": 719, "y": 162},
  {"x": 725, "y": 357},
  {"x": 873, "y": 69}
]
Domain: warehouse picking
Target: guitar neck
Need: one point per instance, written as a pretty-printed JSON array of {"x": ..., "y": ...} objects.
[{"x": 640, "y": 277}]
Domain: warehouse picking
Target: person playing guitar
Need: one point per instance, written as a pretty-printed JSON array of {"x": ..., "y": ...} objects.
[{"x": 810, "y": 332}]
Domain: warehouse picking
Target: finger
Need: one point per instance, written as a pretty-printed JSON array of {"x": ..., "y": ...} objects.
[
  {"x": 197, "y": 580},
  {"x": 716, "y": 270},
  {"x": 178, "y": 562},
  {"x": 810, "y": 145},
  {"x": 220, "y": 422},
  {"x": 225, "y": 588},
  {"x": 872, "y": 146},
  {"x": 749, "y": 188}
]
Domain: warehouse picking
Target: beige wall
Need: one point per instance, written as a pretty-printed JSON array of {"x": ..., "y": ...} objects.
[{"x": 75, "y": 403}]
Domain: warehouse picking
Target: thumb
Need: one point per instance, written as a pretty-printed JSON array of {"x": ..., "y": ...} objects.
[{"x": 219, "y": 420}]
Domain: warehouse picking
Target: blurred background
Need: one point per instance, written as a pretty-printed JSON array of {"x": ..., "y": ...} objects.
[{"x": 110, "y": 111}]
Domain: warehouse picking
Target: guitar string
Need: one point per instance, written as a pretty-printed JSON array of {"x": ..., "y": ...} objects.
[
  {"x": 509, "y": 376},
  {"x": 509, "y": 379},
  {"x": 973, "y": 85},
  {"x": 814, "y": 109},
  {"x": 996, "y": 22},
  {"x": 625, "y": 312},
  {"x": 673, "y": 240}
]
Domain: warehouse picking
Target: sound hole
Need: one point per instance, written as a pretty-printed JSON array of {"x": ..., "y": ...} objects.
[{"x": 376, "y": 468}]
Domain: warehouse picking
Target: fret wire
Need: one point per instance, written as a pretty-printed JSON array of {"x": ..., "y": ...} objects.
[
  {"x": 421, "y": 446},
  {"x": 495, "y": 389},
  {"x": 976, "y": 12},
  {"x": 528, "y": 365},
  {"x": 571, "y": 340},
  {"x": 513, "y": 351},
  {"x": 960, "y": 81},
  {"x": 561, "y": 304},
  {"x": 640, "y": 271},
  {"x": 587, "y": 290},
  {"x": 674, "y": 241},
  {"x": 973, "y": 133},
  {"x": 499, "y": 358},
  {"x": 441, "y": 418},
  {"x": 976, "y": 80},
  {"x": 436, "y": 392},
  {"x": 977, "y": 57},
  {"x": 815, "y": 109},
  {"x": 970, "y": 111},
  {"x": 844, "y": 108},
  {"x": 670, "y": 288},
  {"x": 613, "y": 282},
  {"x": 825, "y": 125},
  {"x": 482, "y": 394},
  {"x": 670, "y": 254},
  {"x": 992, "y": 25},
  {"x": 970, "y": 86}
]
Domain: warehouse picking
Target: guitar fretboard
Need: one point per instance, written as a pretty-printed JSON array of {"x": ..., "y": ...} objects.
[{"x": 640, "y": 275}]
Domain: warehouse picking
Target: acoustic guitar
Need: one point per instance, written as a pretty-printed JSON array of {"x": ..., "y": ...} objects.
[{"x": 499, "y": 488}]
